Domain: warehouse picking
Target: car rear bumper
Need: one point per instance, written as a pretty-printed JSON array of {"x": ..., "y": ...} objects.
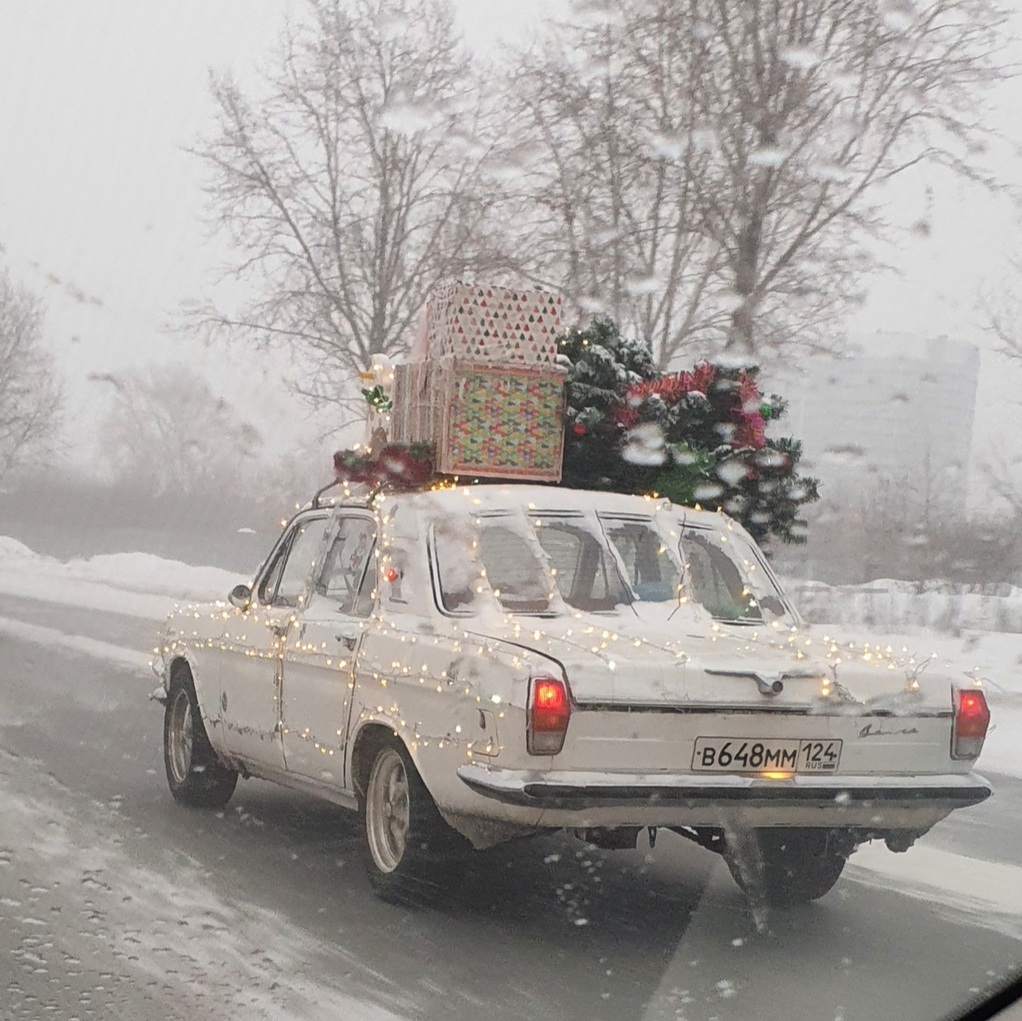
[{"x": 570, "y": 799}]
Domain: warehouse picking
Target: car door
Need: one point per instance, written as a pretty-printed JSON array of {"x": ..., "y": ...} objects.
[
  {"x": 319, "y": 658},
  {"x": 255, "y": 641}
]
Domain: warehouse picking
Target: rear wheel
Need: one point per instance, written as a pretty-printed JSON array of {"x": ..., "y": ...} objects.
[
  {"x": 406, "y": 842},
  {"x": 195, "y": 775},
  {"x": 784, "y": 867}
]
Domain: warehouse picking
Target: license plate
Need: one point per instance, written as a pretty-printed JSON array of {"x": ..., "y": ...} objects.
[{"x": 758, "y": 755}]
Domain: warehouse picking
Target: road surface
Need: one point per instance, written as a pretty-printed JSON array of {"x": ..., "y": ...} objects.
[{"x": 115, "y": 902}]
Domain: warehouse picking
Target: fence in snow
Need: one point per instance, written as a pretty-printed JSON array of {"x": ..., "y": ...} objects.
[{"x": 889, "y": 605}]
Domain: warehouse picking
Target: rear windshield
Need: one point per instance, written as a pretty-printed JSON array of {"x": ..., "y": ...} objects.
[
  {"x": 582, "y": 565},
  {"x": 491, "y": 558},
  {"x": 542, "y": 565},
  {"x": 651, "y": 571}
]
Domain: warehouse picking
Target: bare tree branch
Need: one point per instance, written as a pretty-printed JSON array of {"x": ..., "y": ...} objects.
[
  {"x": 352, "y": 185},
  {"x": 30, "y": 392}
]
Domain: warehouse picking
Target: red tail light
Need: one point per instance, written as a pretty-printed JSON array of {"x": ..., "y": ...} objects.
[
  {"x": 972, "y": 717},
  {"x": 549, "y": 710}
]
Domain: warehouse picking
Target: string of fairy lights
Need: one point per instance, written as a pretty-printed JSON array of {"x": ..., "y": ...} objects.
[{"x": 382, "y": 686}]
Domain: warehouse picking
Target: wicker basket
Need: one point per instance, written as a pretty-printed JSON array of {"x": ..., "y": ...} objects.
[{"x": 495, "y": 325}]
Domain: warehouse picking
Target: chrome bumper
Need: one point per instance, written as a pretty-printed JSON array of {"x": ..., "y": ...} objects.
[{"x": 582, "y": 791}]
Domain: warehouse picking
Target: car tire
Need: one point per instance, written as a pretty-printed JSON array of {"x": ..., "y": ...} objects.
[
  {"x": 195, "y": 775},
  {"x": 785, "y": 867},
  {"x": 406, "y": 843}
]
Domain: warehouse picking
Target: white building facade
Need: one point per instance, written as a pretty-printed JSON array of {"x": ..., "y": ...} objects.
[{"x": 901, "y": 412}]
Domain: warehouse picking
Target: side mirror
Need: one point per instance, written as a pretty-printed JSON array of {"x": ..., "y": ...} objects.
[{"x": 241, "y": 597}]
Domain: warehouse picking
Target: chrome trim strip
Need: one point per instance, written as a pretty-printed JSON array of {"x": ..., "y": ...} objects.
[{"x": 756, "y": 708}]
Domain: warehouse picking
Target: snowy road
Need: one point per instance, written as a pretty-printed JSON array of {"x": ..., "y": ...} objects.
[{"x": 117, "y": 903}]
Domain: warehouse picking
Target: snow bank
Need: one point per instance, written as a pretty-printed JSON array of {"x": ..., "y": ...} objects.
[
  {"x": 11, "y": 549},
  {"x": 143, "y": 572},
  {"x": 988, "y": 893},
  {"x": 135, "y": 584},
  {"x": 889, "y": 604}
]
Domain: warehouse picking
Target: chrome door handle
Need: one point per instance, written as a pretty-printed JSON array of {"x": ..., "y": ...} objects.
[{"x": 350, "y": 641}]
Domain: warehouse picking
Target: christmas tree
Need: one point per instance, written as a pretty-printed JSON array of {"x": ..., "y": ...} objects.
[{"x": 697, "y": 436}]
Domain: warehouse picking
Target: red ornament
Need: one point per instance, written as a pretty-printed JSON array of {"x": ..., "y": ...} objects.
[{"x": 578, "y": 429}]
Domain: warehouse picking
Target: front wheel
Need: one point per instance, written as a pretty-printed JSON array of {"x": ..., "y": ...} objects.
[
  {"x": 195, "y": 775},
  {"x": 406, "y": 840},
  {"x": 785, "y": 867}
]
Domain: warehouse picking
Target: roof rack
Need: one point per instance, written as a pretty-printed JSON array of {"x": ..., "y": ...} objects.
[{"x": 320, "y": 492}]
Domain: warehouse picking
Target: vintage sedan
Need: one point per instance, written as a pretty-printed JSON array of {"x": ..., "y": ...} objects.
[{"x": 467, "y": 665}]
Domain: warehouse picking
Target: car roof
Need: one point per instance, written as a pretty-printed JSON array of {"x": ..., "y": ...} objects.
[
  {"x": 493, "y": 497},
  {"x": 481, "y": 499}
]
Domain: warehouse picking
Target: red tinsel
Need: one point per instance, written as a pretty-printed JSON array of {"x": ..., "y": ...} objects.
[
  {"x": 751, "y": 431},
  {"x": 749, "y": 424}
]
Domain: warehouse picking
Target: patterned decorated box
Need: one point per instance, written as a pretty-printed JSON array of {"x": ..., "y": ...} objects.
[
  {"x": 500, "y": 422},
  {"x": 496, "y": 325}
]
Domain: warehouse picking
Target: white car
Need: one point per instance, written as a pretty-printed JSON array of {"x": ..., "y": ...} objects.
[{"x": 468, "y": 665}]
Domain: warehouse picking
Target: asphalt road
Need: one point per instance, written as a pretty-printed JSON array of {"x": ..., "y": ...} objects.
[{"x": 117, "y": 903}]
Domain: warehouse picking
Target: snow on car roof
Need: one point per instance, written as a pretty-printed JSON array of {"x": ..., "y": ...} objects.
[
  {"x": 492, "y": 497},
  {"x": 484, "y": 498}
]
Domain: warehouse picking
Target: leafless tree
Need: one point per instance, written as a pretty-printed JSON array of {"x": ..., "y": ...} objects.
[
  {"x": 166, "y": 431},
  {"x": 349, "y": 186},
  {"x": 1000, "y": 311},
  {"x": 815, "y": 104},
  {"x": 30, "y": 392},
  {"x": 727, "y": 157},
  {"x": 609, "y": 162}
]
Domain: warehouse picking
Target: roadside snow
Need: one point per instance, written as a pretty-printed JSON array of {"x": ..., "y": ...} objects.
[
  {"x": 989, "y": 893},
  {"x": 133, "y": 584},
  {"x": 889, "y": 603}
]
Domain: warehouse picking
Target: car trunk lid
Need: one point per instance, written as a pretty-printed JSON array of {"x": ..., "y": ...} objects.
[{"x": 623, "y": 666}]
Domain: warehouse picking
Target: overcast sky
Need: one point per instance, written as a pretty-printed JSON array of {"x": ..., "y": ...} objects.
[{"x": 99, "y": 201}]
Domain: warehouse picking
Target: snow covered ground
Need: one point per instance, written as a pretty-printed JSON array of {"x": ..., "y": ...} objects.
[
  {"x": 134, "y": 584},
  {"x": 939, "y": 605}
]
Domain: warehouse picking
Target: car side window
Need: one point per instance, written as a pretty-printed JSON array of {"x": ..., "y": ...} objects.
[
  {"x": 302, "y": 554},
  {"x": 564, "y": 550},
  {"x": 268, "y": 586},
  {"x": 514, "y": 574},
  {"x": 587, "y": 576},
  {"x": 345, "y": 577},
  {"x": 366, "y": 598}
]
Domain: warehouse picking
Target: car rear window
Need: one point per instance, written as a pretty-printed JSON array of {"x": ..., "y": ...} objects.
[
  {"x": 495, "y": 557},
  {"x": 652, "y": 573},
  {"x": 583, "y": 567}
]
